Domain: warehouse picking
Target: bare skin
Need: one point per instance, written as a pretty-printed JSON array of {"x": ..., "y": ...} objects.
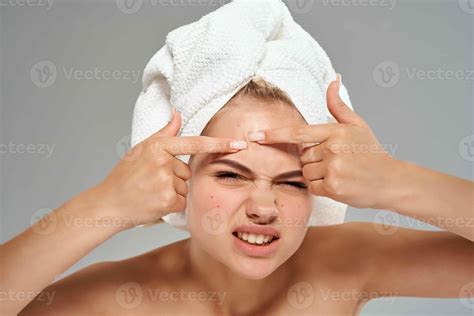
[
  {"x": 405, "y": 263},
  {"x": 334, "y": 271}
]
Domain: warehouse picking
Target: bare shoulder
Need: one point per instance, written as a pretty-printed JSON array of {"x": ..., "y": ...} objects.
[
  {"x": 351, "y": 248},
  {"x": 340, "y": 256},
  {"x": 384, "y": 260},
  {"x": 109, "y": 287},
  {"x": 340, "y": 243}
]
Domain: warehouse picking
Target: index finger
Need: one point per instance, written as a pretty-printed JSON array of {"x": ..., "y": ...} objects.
[
  {"x": 297, "y": 134},
  {"x": 189, "y": 145}
]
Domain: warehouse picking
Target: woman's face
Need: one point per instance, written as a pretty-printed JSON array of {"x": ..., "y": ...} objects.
[{"x": 222, "y": 197}]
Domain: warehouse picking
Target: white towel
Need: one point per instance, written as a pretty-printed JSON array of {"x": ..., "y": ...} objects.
[{"x": 204, "y": 63}]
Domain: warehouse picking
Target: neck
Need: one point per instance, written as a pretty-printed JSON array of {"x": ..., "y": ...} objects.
[{"x": 237, "y": 294}]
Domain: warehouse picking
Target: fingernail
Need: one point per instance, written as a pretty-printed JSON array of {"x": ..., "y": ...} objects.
[
  {"x": 238, "y": 144},
  {"x": 256, "y": 136},
  {"x": 339, "y": 80}
]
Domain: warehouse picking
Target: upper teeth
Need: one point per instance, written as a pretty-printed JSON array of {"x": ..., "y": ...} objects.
[{"x": 255, "y": 239}]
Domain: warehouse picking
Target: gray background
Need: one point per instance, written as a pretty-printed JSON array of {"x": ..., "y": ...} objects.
[{"x": 88, "y": 121}]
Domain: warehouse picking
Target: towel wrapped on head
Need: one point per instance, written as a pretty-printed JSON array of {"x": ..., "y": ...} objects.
[{"x": 204, "y": 63}]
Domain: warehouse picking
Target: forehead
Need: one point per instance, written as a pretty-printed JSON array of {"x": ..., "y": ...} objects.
[
  {"x": 247, "y": 114},
  {"x": 238, "y": 119}
]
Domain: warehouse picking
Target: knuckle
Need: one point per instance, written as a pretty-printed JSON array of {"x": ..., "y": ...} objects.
[
  {"x": 168, "y": 197},
  {"x": 331, "y": 148},
  {"x": 181, "y": 186},
  {"x": 154, "y": 146},
  {"x": 161, "y": 159},
  {"x": 312, "y": 187},
  {"x": 165, "y": 173},
  {"x": 308, "y": 155},
  {"x": 325, "y": 147},
  {"x": 185, "y": 189},
  {"x": 342, "y": 132},
  {"x": 333, "y": 185},
  {"x": 298, "y": 133},
  {"x": 189, "y": 174},
  {"x": 306, "y": 171},
  {"x": 335, "y": 166},
  {"x": 184, "y": 170},
  {"x": 182, "y": 204},
  {"x": 165, "y": 177}
]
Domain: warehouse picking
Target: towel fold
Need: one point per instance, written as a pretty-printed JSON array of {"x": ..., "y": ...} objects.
[{"x": 204, "y": 63}]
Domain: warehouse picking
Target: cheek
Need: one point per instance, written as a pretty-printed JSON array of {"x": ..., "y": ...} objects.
[
  {"x": 209, "y": 195},
  {"x": 212, "y": 204},
  {"x": 294, "y": 211}
]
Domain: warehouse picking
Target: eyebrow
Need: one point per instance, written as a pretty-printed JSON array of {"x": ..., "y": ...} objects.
[{"x": 236, "y": 165}]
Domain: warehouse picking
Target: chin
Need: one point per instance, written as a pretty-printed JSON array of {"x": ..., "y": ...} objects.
[{"x": 253, "y": 268}]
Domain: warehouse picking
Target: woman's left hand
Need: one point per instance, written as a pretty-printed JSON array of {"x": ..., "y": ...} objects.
[{"x": 347, "y": 164}]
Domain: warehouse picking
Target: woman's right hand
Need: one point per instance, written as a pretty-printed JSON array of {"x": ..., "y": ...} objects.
[{"x": 149, "y": 181}]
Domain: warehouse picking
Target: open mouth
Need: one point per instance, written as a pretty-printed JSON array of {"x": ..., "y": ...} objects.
[{"x": 255, "y": 239}]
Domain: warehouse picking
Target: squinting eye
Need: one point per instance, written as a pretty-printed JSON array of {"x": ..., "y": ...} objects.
[
  {"x": 298, "y": 185},
  {"x": 227, "y": 175},
  {"x": 234, "y": 176}
]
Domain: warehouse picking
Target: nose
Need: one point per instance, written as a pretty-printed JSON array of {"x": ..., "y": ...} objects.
[{"x": 262, "y": 208}]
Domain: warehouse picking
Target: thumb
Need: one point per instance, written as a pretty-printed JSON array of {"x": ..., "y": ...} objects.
[
  {"x": 172, "y": 127},
  {"x": 336, "y": 106}
]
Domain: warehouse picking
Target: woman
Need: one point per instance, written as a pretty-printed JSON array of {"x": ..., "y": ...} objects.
[{"x": 322, "y": 270}]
